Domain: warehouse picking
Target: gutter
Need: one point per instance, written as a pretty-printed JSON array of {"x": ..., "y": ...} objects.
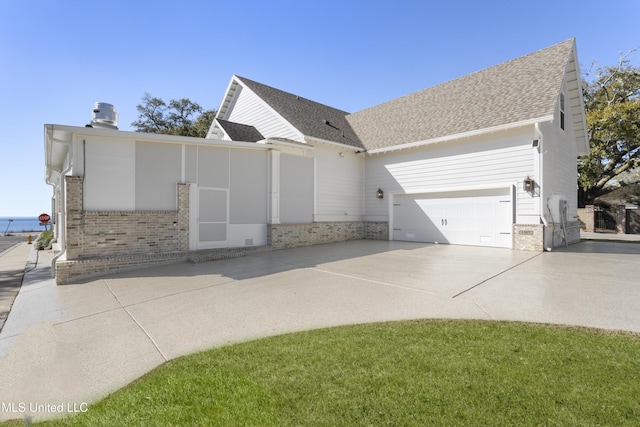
[{"x": 62, "y": 238}]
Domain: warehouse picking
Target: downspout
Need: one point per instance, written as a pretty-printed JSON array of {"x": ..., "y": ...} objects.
[
  {"x": 62, "y": 238},
  {"x": 63, "y": 228}
]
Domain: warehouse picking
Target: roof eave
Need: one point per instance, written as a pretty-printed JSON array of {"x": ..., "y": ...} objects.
[
  {"x": 337, "y": 144},
  {"x": 579, "y": 116},
  {"x": 282, "y": 143},
  {"x": 462, "y": 135}
]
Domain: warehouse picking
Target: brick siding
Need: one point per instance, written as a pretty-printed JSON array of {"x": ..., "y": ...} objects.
[
  {"x": 281, "y": 236},
  {"x": 528, "y": 237}
]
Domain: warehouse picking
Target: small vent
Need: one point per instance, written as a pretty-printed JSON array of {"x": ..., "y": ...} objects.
[{"x": 248, "y": 242}]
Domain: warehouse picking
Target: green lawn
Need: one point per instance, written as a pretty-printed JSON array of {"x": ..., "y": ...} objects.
[{"x": 416, "y": 373}]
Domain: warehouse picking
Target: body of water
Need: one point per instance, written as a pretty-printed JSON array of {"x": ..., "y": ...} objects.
[{"x": 19, "y": 224}]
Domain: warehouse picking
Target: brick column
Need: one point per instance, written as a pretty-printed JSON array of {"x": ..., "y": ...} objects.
[
  {"x": 73, "y": 215},
  {"x": 183, "y": 216},
  {"x": 621, "y": 219},
  {"x": 590, "y": 218}
]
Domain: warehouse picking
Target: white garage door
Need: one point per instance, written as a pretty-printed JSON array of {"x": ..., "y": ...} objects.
[{"x": 479, "y": 218}]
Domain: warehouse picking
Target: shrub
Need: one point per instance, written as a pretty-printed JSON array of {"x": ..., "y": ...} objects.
[{"x": 44, "y": 239}]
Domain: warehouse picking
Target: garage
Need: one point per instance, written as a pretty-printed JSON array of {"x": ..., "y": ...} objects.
[{"x": 477, "y": 218}]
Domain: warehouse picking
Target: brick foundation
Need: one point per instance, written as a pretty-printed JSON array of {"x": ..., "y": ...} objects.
[
  {"x": 528, "y": 237},
  {"x": 71, "y": 271},
  {"x": 281, "y": 236},
  {"x": 376, "y": 230},
  {"x": 101, "y": 242},
  {"x": 537, "y": 237}
]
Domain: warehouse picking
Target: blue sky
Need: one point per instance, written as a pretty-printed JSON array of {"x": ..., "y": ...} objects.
[{"x": 57, "y": 58}]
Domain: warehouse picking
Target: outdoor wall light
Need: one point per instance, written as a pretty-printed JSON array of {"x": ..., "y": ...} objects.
[
  {"x": 529, "y": 185},
  {"x": 380, "y": 193}
]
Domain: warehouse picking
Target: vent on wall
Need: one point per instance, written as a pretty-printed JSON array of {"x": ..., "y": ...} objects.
[{"x": 104, "y": 116}]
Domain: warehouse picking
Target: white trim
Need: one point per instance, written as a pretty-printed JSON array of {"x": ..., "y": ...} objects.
[
  {"x": 153, "y": 137},
  {"x": 462, "y": 135}
]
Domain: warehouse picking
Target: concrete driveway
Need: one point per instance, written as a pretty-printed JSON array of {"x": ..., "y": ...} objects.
[{"x": 76, "y": 343}]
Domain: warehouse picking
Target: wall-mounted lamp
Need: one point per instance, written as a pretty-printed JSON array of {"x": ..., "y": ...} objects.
[
  {"x": 529, "y": 185},
  {"x": 380, "y": 193},
  {"x": 535, "y": 143}
]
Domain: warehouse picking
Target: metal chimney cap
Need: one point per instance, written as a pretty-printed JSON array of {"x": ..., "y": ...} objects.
[{"x": 104, "y": 115}]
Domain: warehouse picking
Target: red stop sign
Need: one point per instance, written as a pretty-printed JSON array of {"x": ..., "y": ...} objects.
[{"x": 44, "y": 218}]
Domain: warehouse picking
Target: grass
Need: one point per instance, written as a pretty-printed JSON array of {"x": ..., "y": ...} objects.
[{"x": 414, "y": 373}]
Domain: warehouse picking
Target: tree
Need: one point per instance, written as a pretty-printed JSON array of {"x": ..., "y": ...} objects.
[
  {"x": 179, "y": 117},
  {"x": 612, "y": 104}
]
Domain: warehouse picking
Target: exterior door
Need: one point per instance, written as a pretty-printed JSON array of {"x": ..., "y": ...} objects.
[
  {"x": 478, "y": 218},
  {"x": 213, "y": 218}
]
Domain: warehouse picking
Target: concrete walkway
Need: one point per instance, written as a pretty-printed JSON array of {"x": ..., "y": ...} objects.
[
  {"x": 67, "y": 345},
  {"x": 13, "y": 256}
]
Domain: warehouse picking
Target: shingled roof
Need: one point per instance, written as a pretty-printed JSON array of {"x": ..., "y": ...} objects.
[
  {"x": 311, "y": 118},
  {"x": 240, "y": 132},
  {"x": 522, "y": 89}
]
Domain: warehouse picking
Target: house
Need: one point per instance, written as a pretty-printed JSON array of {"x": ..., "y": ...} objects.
[{"x": 488, "y": 159}]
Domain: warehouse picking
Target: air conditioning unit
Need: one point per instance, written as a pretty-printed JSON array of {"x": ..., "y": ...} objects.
[{"x": 558, "y": 207}]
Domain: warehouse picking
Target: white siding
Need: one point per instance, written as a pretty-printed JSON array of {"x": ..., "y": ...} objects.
[
  {"x": 499, "y": 159},
  {"x": 339, "y": 184},
  {"x": 251, "y": 110},
  {"x": 560, "y": 163}
]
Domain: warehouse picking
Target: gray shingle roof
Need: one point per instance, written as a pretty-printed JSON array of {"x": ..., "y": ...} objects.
[
  {"x": 311, "y": 118},
  {"x": 521, "y": 89},
  {"x": 240, "y": 132}
]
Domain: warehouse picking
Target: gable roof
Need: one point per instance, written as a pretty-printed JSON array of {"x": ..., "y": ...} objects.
[
  {"x": 310, "y": 118},
  {"x": 522, "y": 89},
  {"x": 239, "y": 132}
]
